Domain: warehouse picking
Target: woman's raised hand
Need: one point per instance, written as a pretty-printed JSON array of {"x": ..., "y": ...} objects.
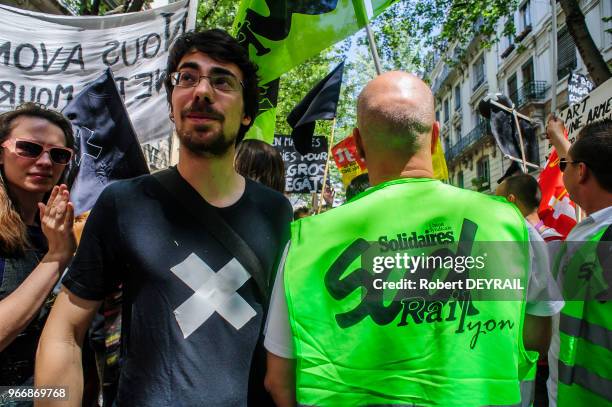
[{"x": 57, "y": 220}]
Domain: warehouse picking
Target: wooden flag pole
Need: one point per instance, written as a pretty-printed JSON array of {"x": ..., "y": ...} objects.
[
  {"x": 516, "y": 115},
  {"x": 520, "y": 135},
  {"x": 330, "y": 143}
]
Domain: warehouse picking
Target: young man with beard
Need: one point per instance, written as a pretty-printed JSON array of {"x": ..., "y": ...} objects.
[{"x": 193, "y": 311}]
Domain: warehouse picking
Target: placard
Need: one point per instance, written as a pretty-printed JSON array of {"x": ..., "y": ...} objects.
[{"x": 303, "y": 173}]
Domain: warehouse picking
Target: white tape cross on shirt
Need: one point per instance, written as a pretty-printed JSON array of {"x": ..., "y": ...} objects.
[{"x": 214, "y": 292}]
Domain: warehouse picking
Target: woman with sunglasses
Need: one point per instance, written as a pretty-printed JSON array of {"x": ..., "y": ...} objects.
[{"x": 36, "y": 239}]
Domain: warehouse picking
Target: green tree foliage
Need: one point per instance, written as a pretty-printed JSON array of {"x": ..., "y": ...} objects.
[
  {"x": 216, "y": 14},
  {"x": 397, "y": 51},
  {"x": 100, "y": 7},
  {"x": 441, "y": 24},
  {"x": 438, "y": 24}
]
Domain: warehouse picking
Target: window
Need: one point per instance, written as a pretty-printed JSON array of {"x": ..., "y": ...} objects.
[
  {"x": 566, "y": 53},
  {"x": 479, "y": 70},
  {"x": 527, "y": 70},
  {"x": 458, "y": 97},
  {"x": 460, "y": 179},
  {"x": 437, "y": 115},
  {"x": 482, "y": 171},
  {"x": 446, "y": 111},
  {"x": 530, "y": 89},
  {"x": 507, "y": 42},
  {"x": 513, "y": 90},
  {"x": 524, "y": 17}
]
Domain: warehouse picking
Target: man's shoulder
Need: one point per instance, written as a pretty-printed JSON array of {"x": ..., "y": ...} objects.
[
  {"x": 480, "y": 201},
  {"x": 460, "y": 195},
  {"x": 266, "y": 197},
  {"x": 130, "y": 186},
  {"x": 469, "y": 194}
]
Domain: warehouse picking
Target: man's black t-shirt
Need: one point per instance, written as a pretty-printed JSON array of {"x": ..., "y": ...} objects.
[{"x": 195, "y": 314}]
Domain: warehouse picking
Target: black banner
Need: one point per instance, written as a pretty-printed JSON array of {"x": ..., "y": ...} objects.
[{"x": 303, "y": 173}]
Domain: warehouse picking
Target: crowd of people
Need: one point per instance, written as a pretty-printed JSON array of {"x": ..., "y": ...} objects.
[{"x": 227, "y": 302}]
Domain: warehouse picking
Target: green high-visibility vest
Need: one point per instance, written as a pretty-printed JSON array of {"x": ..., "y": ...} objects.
[
  {"x": 527, "y": 373},
  {"x": 359, "y": 345},
  {"x": 585, "y": 329}
]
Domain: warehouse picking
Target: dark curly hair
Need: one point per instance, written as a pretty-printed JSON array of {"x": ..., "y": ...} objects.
[{"x": 222, "y": 47}]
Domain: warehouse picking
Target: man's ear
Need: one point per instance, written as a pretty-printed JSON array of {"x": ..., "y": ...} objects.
[
  {"x": 359, "y": 143},
  {"x": 435, "y": 136},
  {"x": 511, "y": 198},
  {"x": 246, "y": 120}
]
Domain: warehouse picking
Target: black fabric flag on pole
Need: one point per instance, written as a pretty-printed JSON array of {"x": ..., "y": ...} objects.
[
  {"x": 503, "y": 129},
  {"x": 319, "y": 104},
  {"x": 106, "y": 146}
]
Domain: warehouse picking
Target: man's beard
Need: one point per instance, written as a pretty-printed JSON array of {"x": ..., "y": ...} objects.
[{"x": 216, "y": 146}]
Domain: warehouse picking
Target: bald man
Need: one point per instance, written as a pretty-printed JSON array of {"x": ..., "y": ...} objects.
[{"x": 354, "y": 319}]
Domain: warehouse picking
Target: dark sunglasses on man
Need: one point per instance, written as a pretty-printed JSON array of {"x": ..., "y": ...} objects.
[
  {"x": 33, "y": 150},
  {"x": 563, "y": 163}
]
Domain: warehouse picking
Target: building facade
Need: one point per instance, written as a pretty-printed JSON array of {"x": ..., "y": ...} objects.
[{"x": 520, "y": 68}]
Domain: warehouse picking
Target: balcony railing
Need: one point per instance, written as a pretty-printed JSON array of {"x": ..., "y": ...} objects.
[
  {"x": 530, "y": 92},
  {"x": 467, "y": 141}
]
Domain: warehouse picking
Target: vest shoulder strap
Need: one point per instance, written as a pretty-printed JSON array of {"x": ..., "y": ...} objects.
[{"x": 215, "y": 225}]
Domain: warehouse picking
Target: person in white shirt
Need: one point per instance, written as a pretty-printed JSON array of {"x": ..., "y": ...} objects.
[{"x": 588, "y": 179}]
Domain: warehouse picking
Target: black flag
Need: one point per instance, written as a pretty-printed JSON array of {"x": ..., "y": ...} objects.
[
  {"x": 319, "y": 104},
  {"x": 503, "y": 128},
  {"x": 106, "y": 146}
]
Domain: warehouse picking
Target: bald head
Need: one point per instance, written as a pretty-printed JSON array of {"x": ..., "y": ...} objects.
[
  {"x": 395, "y": 110},
  {"x": 396, "y": 127}
]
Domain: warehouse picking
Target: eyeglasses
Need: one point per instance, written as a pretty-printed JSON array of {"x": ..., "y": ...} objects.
[
  {"x": 222, "y": 82},
  {"x": 563, "y": 163},
  {"x": 33, "y": 150}
]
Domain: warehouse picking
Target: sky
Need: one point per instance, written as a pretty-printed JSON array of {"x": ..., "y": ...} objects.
[{"x": 159, "y": 3}]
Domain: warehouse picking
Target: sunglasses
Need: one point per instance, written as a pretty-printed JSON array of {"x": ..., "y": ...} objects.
[
  {"x": 563, "y": 163},
  {"x": 33, "y": 150}
]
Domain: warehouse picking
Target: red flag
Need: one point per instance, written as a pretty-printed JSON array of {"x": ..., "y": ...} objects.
[
  {"x": 556, "y": 209},
  {"x": 348, "y": 160}
]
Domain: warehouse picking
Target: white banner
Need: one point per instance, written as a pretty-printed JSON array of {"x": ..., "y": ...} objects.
[
  {"x": 596, "y": 106},
  {"x": 48, "y": 59}
]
